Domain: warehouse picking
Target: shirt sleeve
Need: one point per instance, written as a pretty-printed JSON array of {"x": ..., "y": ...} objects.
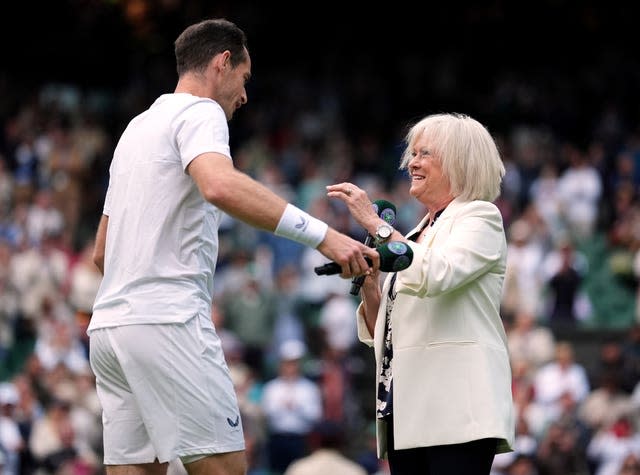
[{"x": 202, "y": 128}]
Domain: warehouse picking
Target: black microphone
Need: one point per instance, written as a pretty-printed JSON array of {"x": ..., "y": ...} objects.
[
  {"x": 387, "y": 211},
  {"x": 394, "y": 256}
]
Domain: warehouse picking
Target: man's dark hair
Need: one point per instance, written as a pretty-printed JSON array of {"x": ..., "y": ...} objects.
[
  {"x": 327, "y": 434},
  {"x": 200, "y": 42}
]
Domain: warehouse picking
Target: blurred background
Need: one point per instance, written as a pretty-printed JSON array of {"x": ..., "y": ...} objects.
[{"x": 334, "y": 89}]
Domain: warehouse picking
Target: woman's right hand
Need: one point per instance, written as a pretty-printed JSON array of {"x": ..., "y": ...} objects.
[{"x": 358, "y": 202}]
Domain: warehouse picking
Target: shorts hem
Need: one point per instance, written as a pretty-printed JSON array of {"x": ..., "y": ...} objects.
[
  {"x": 211, "y": 450},
  {"x": 204, "y": 451},
  {"x": 128, "y": 462},
  {"x": 178, "y": 454}
]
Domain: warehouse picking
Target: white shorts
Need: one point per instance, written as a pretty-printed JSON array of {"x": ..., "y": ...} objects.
[{"x": 165, "y": 392}]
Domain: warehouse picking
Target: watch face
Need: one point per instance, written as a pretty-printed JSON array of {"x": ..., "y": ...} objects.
[{"x": 384, "y": 231}]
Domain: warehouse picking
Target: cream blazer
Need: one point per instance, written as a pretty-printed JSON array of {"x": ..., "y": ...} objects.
[{"x": 451, "y": 370}]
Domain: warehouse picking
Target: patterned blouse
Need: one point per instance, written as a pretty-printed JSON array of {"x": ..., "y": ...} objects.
[{"x": 384, "y": 406}]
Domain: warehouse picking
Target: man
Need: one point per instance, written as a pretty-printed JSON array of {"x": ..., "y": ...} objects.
[{"x": 160, "y": 371}]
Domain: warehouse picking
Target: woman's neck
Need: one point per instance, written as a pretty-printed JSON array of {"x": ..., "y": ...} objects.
[{"x": 436, "y": 207}]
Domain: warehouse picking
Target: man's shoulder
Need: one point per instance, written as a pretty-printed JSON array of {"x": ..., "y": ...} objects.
[{"x": 182, "y": 102}]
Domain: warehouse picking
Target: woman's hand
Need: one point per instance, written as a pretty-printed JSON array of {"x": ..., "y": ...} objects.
[{"x": 358, "y": 202}]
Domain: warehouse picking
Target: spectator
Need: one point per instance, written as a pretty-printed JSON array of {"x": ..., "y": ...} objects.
[
  {"x": 604, "y": 403},
  {"x": 68, "y": 167},
  {"x": 545, "y": 198},
  {"x": 12, "y": 444},
  {"x": 580, "y": 189},
  {"x": 9, "y": 306},
  {"x": 559, "y": 452},
  {"x": 522, "y": 281},
  {"x": 565, "y": 285},
  {"x": 337, "y": 323},
  {"x": 529, "y": 341},
  {"x": 292, "y": 405},
  {"x": 43, "y": 218},
  {"x": 84, "y": 280},
  {"x": 535, "y": 414},
  {"x": 61, "y": 345},
  {"x": 611, "y": 445},
  {"x": 560, "y": 376},
  {"x": 54, "y": 442},
  {"x": 327, "y": 443},
  {"x": 250, "y": 313}
]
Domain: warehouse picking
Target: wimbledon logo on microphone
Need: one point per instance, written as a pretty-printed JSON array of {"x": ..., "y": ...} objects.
[
  {"x": 388, "y": 211},
  {"x": 404, "y": 254},
  {"x": 389, "y": 216}
]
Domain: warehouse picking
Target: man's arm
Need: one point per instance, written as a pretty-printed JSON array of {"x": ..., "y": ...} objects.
[
  {"x": 242, "y": 197},
  {"x": 235, "y": 192},
  {"x": 100, "y": 241}
]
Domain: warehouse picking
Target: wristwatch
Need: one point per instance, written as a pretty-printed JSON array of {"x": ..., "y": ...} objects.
[{"x": 383, "y": 233}]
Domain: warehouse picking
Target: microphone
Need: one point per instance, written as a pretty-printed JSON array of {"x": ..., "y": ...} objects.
[
  {"x": 387, "y": 211},
  {"x": 394, "y": 256}
]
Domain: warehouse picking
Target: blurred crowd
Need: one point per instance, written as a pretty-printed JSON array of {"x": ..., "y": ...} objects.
[{"x": 571, "y": 209}]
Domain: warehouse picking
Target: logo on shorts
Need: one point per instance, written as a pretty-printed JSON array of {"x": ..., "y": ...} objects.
[{"x": 234, "y": 423}]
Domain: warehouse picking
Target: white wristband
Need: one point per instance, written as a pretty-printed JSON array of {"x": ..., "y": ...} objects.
[{"x": 301, "y": 227}]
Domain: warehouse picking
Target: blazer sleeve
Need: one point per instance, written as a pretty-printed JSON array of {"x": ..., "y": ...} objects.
[
  {"x": 363, "y": 332},
  {"x": 465, "y": 246}
]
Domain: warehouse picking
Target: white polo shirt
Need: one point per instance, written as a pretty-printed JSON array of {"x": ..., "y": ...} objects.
[{"x": 162, "y": 238}]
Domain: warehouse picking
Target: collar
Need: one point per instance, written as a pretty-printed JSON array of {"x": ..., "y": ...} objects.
[{"x": 443, "y": 213}]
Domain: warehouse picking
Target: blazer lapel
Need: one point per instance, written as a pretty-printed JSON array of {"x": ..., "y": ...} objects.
[
  {"x": 431, "y": 232},
  {"x": 418, "y": 228}
]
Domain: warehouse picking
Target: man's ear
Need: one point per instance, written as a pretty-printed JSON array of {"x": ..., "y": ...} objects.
[{"x": 221, "y": 61}]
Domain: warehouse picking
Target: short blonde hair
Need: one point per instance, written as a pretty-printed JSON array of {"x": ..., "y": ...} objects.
[{"x": 468, "y": 154}]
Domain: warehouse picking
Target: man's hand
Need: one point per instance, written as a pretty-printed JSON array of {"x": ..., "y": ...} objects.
[{"x": 349, "y": 254}]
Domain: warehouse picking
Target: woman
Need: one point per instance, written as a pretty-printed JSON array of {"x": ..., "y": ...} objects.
[{"x": 444, "y": 403}]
